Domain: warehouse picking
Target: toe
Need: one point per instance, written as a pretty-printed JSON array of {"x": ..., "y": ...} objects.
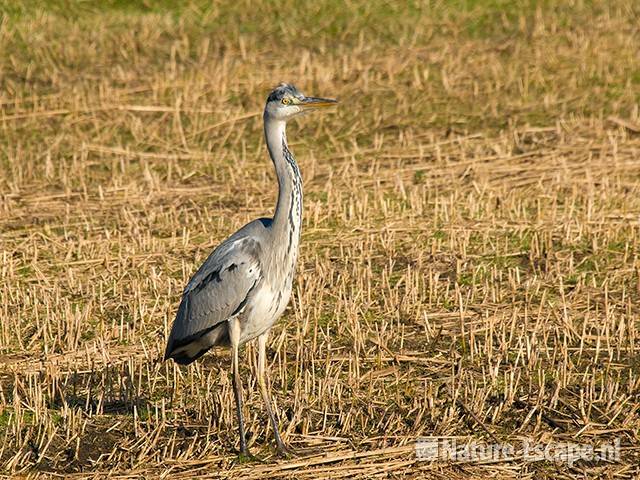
[{"x": 286, "y": 452}]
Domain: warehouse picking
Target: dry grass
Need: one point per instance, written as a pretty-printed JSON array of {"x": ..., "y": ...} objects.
[{"x": 469, "y": 263}]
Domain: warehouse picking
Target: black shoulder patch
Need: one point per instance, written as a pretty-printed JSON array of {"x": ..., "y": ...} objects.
[{"x": 266, "y": 222}]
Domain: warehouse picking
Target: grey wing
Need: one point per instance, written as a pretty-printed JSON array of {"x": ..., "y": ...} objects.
[{"x": 217, "y": 291}]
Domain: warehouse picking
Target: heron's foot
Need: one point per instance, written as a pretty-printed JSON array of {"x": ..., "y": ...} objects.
[
  {"x": 247, "y": 457},
  {"x": 285, "y": 451}
]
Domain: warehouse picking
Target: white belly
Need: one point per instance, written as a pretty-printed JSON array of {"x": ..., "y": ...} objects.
[{"x": 262, "y": 312}]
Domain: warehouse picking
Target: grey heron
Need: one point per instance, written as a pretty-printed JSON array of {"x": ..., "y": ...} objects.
[{"x": 244, "y": 285}]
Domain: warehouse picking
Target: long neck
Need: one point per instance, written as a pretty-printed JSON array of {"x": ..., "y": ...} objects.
[{"x": 287, "y": 219}]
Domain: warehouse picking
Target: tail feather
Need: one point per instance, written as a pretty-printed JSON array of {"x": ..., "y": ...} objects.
[{"x": 187, "y": 350}]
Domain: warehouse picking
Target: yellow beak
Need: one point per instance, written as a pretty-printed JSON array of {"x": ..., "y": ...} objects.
[{"x": 317, "y": 102}]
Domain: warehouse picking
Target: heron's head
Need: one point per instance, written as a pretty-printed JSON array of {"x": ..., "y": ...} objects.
[{"x": 286, "y": 102}]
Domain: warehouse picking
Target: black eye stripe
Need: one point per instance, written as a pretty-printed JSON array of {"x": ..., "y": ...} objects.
[{"x": 283, "y": 90}]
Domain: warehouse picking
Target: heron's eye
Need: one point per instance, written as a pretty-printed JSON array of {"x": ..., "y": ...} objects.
[{"x": 286, "y": 101}]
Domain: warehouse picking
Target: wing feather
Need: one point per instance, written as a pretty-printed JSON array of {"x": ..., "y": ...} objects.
[{"x": 217, "y": 291}]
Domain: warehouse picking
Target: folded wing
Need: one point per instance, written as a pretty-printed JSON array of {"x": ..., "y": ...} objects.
[{"x": 218, "y": 290}]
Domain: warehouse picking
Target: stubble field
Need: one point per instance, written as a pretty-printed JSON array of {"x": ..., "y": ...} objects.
[{"x": 469, "y": 265}]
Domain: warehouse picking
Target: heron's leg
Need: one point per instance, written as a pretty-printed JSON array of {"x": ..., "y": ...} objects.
[
  {"x": 262, "y": 350},
  {"x": 234, "y": 337}
]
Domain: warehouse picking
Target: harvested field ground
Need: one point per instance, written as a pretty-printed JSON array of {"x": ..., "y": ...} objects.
[{"x": 470, "y": 255}]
